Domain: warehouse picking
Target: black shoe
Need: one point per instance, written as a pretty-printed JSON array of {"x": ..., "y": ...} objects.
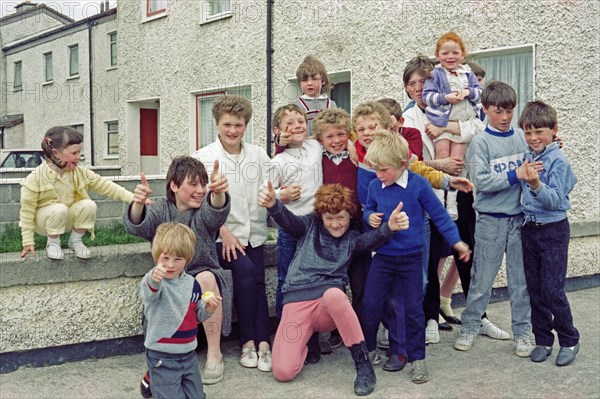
[
  {"x": 451, "y": 319},
  {"x": 395, "y": 363},
  {"x": 365, "y": 375},
  {"x": 566, "y": 355},
  {"x": 444, "y": 327},
  {"x": 314, "y": 350},
  {"x": 540, "y": 353},
  {"x": 335, "y": 340},
  {"x": 145, "y": 386}
]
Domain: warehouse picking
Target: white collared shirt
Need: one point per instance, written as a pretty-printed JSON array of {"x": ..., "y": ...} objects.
[
  {"x": 245, "y": 174},
  {"x": 402, "y": 180}
]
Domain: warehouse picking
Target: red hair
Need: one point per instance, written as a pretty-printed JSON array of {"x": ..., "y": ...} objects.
[
  {"x": 334, "y": 198},
  {"x": 447, "y": 37}
]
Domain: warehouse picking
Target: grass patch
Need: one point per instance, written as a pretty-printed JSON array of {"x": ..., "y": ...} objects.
[{"x": 10, "y": 240}]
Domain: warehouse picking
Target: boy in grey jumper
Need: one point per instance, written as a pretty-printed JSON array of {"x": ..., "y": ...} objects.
[
  {"x": 496, "y": 158},
  {"x": 172, "y": 307}
]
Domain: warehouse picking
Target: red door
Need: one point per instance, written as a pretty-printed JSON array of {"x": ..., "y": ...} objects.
[{"x": 148, "y": 132}]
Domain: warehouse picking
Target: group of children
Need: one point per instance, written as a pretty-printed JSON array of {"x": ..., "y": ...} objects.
[{"x": 359, "y": 184}]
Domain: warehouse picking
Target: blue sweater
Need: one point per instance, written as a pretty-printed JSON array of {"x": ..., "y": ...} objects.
[
  {"x": 418, "y": 197},
  {"x": 550, "y": 202}
]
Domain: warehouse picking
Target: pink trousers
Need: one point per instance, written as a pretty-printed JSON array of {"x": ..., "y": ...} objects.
[{"x": 301, "y": 319}]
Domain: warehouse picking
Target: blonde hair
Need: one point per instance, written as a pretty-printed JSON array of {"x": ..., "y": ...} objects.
[
  {"x": 372, "y": 108},
  {"x": 331, "y": 117},
  {"x": 282, "y": 111},
  {"x": 387, "y": 149},
  {"x": 174, "y": 239}
]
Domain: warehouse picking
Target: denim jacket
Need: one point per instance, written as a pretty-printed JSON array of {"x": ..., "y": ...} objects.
[{"x": 550, "y": 202}]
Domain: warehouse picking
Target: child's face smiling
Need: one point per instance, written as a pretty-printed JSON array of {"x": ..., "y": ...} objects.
[
  {"x": 499, "y": 118},
  {"x": 365, "y": 127},
  {"x": 334, "y": 139},
  {"x": 294, "y": 123},
  {"x": 189, "y": 195},
  {"x": 450, "y": 55},
  {"x": 539, "y": 138},
  {"x": 312, "y": 85},
  {"x": 336, "y": 223},
  {"x": 174, "y": 265},
  {"x": 231, "y": 131},
  {"x": 70, "y": 155}
]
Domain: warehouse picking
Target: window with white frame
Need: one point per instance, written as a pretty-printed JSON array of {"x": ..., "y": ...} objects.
[
  {"x": 112, "y": 138},
  {"x": 215, "y": 9},
  {"x": 206, "y": 126},
  {"x": 155, "y": 7},
  {"x": 512, "y": 65},
  {"x": 48, "y": 67},
  {"x": 112, "y": 40},
  {"x": 341, "y": 92},
  {"x": 18, "y": 77},
  {"x": 74, "y": 60}
]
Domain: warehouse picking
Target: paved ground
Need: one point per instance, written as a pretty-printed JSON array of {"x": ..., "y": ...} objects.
[{"x": 489, "y": 370}]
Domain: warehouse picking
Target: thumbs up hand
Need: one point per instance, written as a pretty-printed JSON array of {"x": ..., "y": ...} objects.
[
  {"x": 398, "y": 219},
  {"x": 266, "y": 196},
  {"x": 142, "y": 191},
  {"x": 218, "y": 181}
]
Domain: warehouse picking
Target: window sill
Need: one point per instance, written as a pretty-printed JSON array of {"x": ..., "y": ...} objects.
[
  {"x": 112, "y": 68},
  {"x": 149, "y": 18},
  {"x": 48, "y": 83},
  {"x": 17, "y": 89},
  {"x": 111, "y": 156},
  {"x": 74, "y": 77},
  {"x": 217, "y": 17}
]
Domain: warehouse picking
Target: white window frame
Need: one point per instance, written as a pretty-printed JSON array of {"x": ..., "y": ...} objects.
[
  {"x": 209, "y": 15},
  {"x": 109, "y": 132},
  {"x": 18, "y": 77},
  {"x": 293, "y": 91},
  {"x": 80, "y": 127},
  {"x": 112, "y": 49},
  {"x": 70, "y": 55},
  {"x": 212, "y": 95},
  {"x": 48, "y": 74}
]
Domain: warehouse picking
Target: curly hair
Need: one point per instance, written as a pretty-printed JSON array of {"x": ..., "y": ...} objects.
[
  {"x": 372, "y": 108},
  {"x": 237, "y": 106},
  {"x": 331, "y": 117},
  {"x": 334, "y": 198},
  {"x": 450, "y": 37}
]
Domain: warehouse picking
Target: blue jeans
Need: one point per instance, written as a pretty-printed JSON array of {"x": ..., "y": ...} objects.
[
  {"x": 286, "y": 248},
  {"x": 249, "y": 293},
  {"x": 545, "y": 256},
  {"x": 426, "y": 246},
  {"x": 493, "y": 238},
  {"x": 399, "y": 277}
]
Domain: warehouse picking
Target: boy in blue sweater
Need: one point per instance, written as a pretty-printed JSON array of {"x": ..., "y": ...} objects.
[
  {"x": 545, "y": 234},
  {"x": 496, "y": 158},
  {"x": 172, "y": 307},
  {"x": 396, "y": 269}
]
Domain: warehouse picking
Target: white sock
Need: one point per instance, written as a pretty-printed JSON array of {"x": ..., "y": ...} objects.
[
  {"x": 76, "y": 237},
  {"x": 54, "y": 240}
]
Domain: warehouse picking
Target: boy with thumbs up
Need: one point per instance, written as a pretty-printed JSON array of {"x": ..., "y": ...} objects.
[
  {"x": 396, "y": 268},
  {"x": 204, "y": 207},
  {"x": 314, "y": 297}
]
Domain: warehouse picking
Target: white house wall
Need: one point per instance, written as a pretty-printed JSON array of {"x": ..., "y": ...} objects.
[{"x": 174, "y": 56}]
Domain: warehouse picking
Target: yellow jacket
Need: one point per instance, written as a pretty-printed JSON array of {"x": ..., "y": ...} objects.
[
  {"x": 38, "y": 191},
  {"x": 433, "y": 176}
]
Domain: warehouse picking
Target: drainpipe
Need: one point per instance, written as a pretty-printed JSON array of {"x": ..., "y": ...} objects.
[
  {"x": 90, "y": 24},
  {"x": 269, "y": 71}
]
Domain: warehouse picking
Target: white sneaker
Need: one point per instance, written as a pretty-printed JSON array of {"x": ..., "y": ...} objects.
[
  {"x": 249, "y": 358},
  {"x": 81, "y": 251},
  {"x": 374, "y": 357},
  {"x": 524, "y": 345},
  {"x": 54, "y": 251},
  {"x": 464, "y": 342},
  {"x": 491, "y": 330},
  {"x": 432, "y": 334},
  {"x": 264, "y": 361}
]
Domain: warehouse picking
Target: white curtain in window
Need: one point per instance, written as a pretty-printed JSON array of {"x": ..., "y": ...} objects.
[
  {"x": 48, "y": 65},
  {"x": 156, "y": 5},
  {"x": 214, "y": 7},
  {"x": 73, "y": 60},
  {"x": 514, "y": 68},
  {"x": 207, "y": 131},
  {"x": 18, "y": 75}
]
